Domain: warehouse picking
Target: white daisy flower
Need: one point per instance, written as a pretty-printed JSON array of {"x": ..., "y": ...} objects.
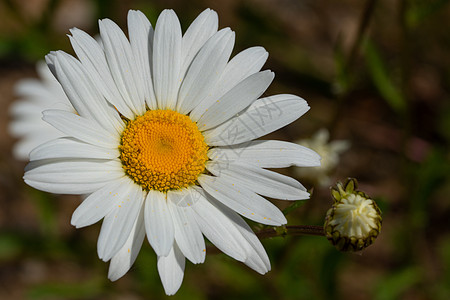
[
  {"x": 163, "y": 143},
  {"x": 328, "y": 151},
  {"x": 35, "y": 96}
]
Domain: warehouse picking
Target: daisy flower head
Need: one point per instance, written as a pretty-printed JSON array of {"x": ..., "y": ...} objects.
[
  {"x": 34, "y": 96},
  {"x": 329, "y": 151},
  {"x": 164, "y": 143}
]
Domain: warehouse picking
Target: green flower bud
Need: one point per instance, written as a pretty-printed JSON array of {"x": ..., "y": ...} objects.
[{"x": 354, "y": 221}]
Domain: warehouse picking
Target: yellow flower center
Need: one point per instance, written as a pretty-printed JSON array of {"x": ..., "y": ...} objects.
[{"x": 163, "y": 150}]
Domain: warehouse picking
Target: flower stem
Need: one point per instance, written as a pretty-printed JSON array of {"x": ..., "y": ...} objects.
[
  {"x": 363, "y": 26},
  {"x": 290, "y": 230}
]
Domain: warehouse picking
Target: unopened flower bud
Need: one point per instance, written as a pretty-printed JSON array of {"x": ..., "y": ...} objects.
[{"x": 354, "y": 221}]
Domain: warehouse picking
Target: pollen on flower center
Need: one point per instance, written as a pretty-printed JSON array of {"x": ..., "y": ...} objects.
[{"x": 163, "y": 150}]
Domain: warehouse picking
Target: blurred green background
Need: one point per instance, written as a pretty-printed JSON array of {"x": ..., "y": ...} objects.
[{"x": 375, "y": 73}]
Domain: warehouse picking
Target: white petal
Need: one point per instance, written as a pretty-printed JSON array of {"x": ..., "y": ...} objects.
[
  {"x": 322, "y": 136},
  {"x": 66, "y": 147},
  {"x": 25, "y": 108},
  {"x": 244, "y": 64},
  {"x": 171, "y": 270},
  {"x": 45, "y": 91},
  {"x": 201, "y": 29},
  {"x": 30, "y": 88},
  {"x": 27, "y": 143},
  {"x": 259, "y": 180},
  {"x": 49, "y": 59},
  {"x": 185, "y": 197},
  {"x": 98, "y": 204},
  {"x": 339, "y": 146},
  {"x": 71, "y": 177},
  {"x": 31, "y": 109},
  {"x": 45, "y": 74},
  {"x": 39, "y": 92},
  {"x": 124, "y": 259},
  {"x": 123, "y": 65},
  {"x": 167, "y": 59},
  {"x": 140, "y": 32},
  {"x": 267, "y": 154},
  {"x": 30, "y": 126},
  {"x": 83, "y": 94},
  {"x": 65, "y": 188},
  {"x": 81, "y": 128},
  {"x": 118, "y": 223},
  {"x": 219, "y": 230},
  {"x": 234, "y": 101},
  {"x": 158, "y": 223},
  {"x": 187, "y": 233},
  {"x": 242, "y": 200},
  {"x": 205, "y": 70},
  {"x": 257, "y": 258},
  {"x": 93, "y": 58},
  {"x": 262, "y": 117}
]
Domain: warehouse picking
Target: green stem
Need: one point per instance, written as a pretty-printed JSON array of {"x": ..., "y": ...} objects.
[
  {"x": 293, "y": 230},
  {"x": 363, "y": 26}
]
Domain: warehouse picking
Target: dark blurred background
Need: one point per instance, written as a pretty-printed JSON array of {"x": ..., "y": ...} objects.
[{"x": 375, "y": 73}]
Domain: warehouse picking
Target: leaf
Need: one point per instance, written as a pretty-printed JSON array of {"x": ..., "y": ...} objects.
[
  {"x": 379, "y": 73},
  {"x": 10, "y": 246},
  {"x": 394, "y": 285},
  {"x": 418, "y": 11},
  {"x": 343, "y": 80},
  {"x": 293, "y": 206},
  {"x": 89, "y": 289}
]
